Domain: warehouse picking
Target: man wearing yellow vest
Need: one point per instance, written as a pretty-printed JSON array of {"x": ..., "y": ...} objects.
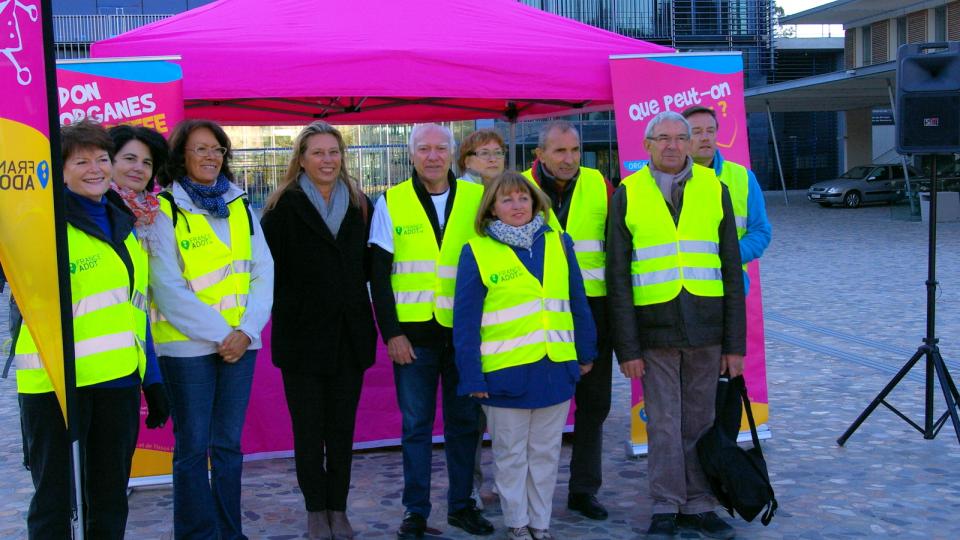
[
  {"x": 417, "y": 232},
  {"x": 677, "y": 314},
  {"x": 753, "y": 227},
  {"x": 579, "y": 197}
]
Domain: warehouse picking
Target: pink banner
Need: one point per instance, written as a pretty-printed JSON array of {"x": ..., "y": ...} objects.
[
  {"x": 145, "y": 93},
  {"x": 646, "y": 85},
  {"x": 685, "y": 80}
]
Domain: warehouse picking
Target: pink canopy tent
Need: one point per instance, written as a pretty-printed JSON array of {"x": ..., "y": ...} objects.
[{"x": 380, "y": 61}]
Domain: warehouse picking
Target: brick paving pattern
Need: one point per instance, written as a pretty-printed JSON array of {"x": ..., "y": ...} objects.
[{"x": 845, "y": 306}]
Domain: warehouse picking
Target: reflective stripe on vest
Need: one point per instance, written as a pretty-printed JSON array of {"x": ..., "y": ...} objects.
[
  {"x": 735, "y": 177},
  {"x": 523, "y": 320},
  {"x": 423, "y": 276},
  {"x": 109, "y": 320},
  {"x": 587, "y": 226},
  {"x": 219, "y": 275},
  {"x": 669, "y": 256}
]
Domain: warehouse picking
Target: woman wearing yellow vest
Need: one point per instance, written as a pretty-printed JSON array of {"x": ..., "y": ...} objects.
[
  {"x": 211, "y": 284},
  {"x": 482, "y": 156},
  {"x": 108, "y": 280},
  {"x": 523, "y": 335}
]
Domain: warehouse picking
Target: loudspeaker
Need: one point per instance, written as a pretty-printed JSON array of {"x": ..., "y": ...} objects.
[{"x": 928, "y": 98}]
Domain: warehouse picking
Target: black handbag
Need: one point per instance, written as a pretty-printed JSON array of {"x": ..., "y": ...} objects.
[{"x": 738, "y": 477}]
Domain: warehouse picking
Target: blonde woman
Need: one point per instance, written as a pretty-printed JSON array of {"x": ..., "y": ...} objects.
[{"x": 317, "y": 224}]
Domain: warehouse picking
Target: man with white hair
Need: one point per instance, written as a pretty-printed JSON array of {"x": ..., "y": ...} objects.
[
  {"x": 418, "y": 228},
  {"x": 678, "y": 315}
]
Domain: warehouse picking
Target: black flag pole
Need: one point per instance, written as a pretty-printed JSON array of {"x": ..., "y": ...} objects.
[{"x": 63, "y": 262}]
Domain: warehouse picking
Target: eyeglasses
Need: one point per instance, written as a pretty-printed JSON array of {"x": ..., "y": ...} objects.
[
  {"x": 666, "y": 139},
  {"x": 206, "y": 151},
  {"x": 488, "y": 154}
]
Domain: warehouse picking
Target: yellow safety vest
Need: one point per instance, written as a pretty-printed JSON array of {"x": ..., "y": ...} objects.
[
  {"x": 524, "y": 320},
  {"x": 109, "y": 319},
  {"x": 734, "y": 176},
  {"x": 424, "y": 275},
  {"x": 668, "y": 256},
  {"x": 587, "y": 226},
  {"x": 219, "y": 275}
]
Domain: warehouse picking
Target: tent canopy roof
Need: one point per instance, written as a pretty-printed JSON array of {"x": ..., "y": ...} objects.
[{"x": 293, "y": 61}]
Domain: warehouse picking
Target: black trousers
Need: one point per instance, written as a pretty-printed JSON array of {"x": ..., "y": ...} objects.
[
  {"x": 593, "y": 406},
  {"x": 323, "y": 409},
  {"x": 108, "y": 420}
]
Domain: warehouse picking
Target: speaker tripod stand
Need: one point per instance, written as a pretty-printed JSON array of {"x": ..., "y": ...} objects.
[{"x": 935, "y": 366}]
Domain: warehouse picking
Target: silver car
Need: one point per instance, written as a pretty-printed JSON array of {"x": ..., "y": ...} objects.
[{"x": 865, "y": 184}]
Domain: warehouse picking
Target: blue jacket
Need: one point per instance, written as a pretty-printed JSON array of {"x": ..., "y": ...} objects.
[
  {"x": 531, "y": 386},
  {"x": 758, "y": 234}
]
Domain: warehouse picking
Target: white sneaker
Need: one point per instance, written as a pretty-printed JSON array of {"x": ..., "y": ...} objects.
[
  {"x": 475, "y": 495},
  {"x": 520, "y": 533},
  {"x": 540, "y": 534}
]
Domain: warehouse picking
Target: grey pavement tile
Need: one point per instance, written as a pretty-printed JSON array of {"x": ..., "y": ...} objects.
[{"x": 829, "y": 274}]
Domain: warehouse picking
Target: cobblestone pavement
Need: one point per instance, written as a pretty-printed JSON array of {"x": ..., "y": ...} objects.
[{"x": 844, "y": 297}]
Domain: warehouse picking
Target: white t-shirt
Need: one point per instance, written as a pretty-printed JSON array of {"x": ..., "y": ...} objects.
[{"x": 381, "y": 226}]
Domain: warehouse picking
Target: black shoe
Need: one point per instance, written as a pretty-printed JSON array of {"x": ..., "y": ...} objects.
[
  {"x": 413, "y": 526},
  {"x": 662, "y": 526},
  {"x": 708, "y": 523},
  {"x": 588, "y": 505},
  {"x": 470, "y": 520}
]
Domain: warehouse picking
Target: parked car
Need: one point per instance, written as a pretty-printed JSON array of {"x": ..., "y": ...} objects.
[{"x": 866, "y": 184}]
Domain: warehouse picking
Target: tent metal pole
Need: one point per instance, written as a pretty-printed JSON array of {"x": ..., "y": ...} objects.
[
  {"x": 513, "y": 144},
  {"x": 903, "y": 158},
  {"x": 776, "y": 152}
]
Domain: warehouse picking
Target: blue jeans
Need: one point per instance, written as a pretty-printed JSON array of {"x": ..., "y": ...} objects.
[
  {"x": 208, "y": 404},
  {"x": 417, "y": 397}
]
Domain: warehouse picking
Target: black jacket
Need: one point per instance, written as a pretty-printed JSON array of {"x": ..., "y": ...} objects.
[
  {"x": 320, "y": 298},
  {"x": 687, "y": 320}
]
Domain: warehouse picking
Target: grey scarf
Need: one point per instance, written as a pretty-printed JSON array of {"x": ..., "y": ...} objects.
[
  {"x": 332, "y": 212},
  {"x": 521, "y": 237}
]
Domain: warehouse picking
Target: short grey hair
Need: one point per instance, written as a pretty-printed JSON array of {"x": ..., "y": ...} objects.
[
  {"x": 562, "y": 125},
  {"x": 418, "y": 131},
  {"x": 666, "y": 116}
]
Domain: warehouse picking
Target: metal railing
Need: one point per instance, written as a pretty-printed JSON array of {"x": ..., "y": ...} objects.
[{"x": 73, "y": 34}]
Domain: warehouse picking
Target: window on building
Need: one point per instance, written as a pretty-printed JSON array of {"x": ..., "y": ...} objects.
[
  {"x": 866, "y": 44},
  {"x": 940, "y": 23},
  {"x": 901, "y": 31}
]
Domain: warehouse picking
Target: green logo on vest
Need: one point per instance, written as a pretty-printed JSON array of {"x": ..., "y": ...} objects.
[
  {"x": 408, "y": 229},
  {"x": 196, "y": 242},
  {"x": 86, "y": 263},
  {"x": 506, "y": 275}
]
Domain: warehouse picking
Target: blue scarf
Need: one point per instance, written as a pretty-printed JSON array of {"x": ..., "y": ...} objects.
[
  {"x": 521, "y": 237},
  {"x": 210, "y": 198}
]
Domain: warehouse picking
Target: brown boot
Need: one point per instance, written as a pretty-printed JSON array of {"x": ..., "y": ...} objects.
[
  {"x": 318, "y": 527},
  {"x": 340, "y": 525}
]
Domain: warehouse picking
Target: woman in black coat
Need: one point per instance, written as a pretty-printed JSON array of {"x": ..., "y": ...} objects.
[{"x": 317, "y": 225}]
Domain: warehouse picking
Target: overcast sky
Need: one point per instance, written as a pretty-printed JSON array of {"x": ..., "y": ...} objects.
[{"x": 793, "y": 6}]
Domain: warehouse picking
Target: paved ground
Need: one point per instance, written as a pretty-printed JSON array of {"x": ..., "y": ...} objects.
[{"x": 844, "y": 300}]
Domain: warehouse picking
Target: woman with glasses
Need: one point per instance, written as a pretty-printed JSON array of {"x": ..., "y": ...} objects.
[
  {"x": 323, "y": 337},
  {"x": 482, "y": 156},
  {"x": 523, "y": 335},
  {"x": 211, "y": 281}
]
